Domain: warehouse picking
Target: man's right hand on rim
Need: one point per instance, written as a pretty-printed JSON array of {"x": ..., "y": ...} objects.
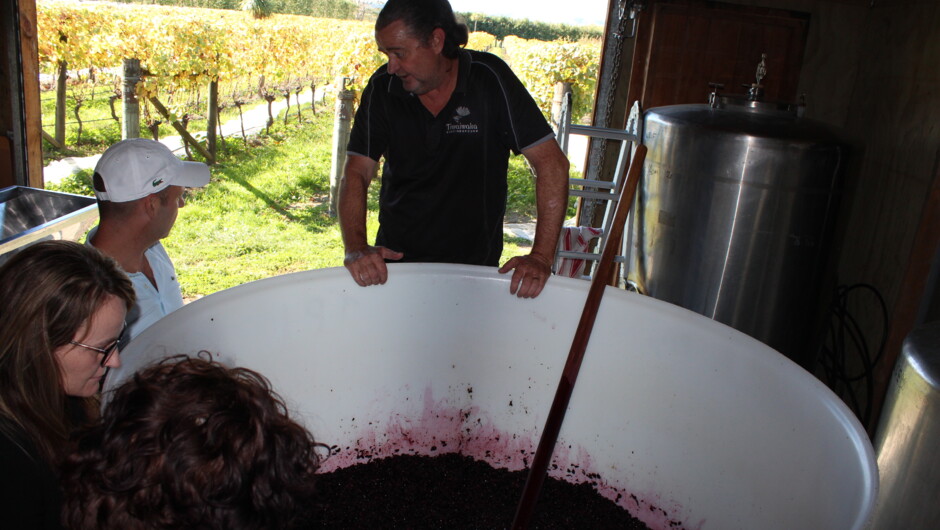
[{"x": 367, "y": 266}]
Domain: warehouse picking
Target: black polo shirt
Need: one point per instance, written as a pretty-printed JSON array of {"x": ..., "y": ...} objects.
[{"x": 443, "y": 192}]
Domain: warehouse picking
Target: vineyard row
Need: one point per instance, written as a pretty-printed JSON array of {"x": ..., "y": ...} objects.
[{"x": 182, "y": 49}]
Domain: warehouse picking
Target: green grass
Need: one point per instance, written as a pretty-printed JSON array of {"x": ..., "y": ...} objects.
[{"x": 265, "y": 212}]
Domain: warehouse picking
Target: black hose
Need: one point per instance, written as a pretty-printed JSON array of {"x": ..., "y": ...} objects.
[{"x": 843, "y": 342}]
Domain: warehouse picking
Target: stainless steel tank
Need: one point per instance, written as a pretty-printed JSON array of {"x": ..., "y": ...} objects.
[
  {"x": 734, "y": 214},
  {"x": 908, "y": 435}
]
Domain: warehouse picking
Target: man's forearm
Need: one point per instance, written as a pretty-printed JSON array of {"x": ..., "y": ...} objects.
[
  {"x": 551, "y": 205},
  {"x": 352, "y": 213},
  {"x": 551, "y": 200}
]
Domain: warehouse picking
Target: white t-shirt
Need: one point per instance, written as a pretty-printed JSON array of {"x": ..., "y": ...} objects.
[{"x": 152, "y": 303}]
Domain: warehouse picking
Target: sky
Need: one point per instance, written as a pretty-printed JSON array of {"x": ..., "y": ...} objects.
[{"x": 574, "y": 12}]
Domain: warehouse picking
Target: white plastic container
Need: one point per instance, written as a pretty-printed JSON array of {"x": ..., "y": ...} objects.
[{"x": 680, "y": 419}]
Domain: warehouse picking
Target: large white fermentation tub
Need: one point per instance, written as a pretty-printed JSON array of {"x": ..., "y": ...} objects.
[{"x": 682, "y": 420}]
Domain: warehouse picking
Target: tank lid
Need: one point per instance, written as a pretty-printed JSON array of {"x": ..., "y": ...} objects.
[
  {"x": 738, "y": 120},
  {"x": 753, "y": 100},
  {"x": 747, "y": 114},
  {"x": 745, "y": 104}
]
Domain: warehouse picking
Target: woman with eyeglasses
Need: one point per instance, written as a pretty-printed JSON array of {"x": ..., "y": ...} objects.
[{"x": 62, "y": 311}]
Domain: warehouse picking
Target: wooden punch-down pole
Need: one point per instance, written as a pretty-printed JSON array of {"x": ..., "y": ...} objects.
[{"x": 556, "y": 415}]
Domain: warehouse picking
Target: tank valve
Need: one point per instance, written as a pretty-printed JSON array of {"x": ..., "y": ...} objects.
[
  {"x": 713, "y": 95},
  {"x": 756, "y": 90}
]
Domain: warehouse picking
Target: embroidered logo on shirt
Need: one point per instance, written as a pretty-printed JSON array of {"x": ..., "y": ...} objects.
[
  {"x": 157, "y": 182},
  {"x": 457, "y": 126}
]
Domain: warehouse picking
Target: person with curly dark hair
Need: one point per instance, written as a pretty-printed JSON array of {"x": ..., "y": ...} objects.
[
  {"x": 62, "y": 324},
  {"x": 191, "y": 443}
]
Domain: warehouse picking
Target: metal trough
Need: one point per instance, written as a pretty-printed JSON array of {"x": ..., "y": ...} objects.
[{"x": 29, "y": 215}]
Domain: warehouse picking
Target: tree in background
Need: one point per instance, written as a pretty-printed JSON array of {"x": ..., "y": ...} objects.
[
  {"x": 502, "y": 27},
  {"x": 211, "y": 4},
  {"x": 342, "y": 9},
  {"x": 257, "y": 8}
]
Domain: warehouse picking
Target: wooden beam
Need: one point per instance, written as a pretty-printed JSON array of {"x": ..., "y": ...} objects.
[
  {"x": 640, "y": 58},
  {"x": 29, "y": 47},
  {"x": 188, "y": 138},
  {"x": 49, "y": 138}
]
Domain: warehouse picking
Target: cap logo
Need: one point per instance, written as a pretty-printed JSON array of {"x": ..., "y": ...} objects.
[{"x": 157, "y": 182}]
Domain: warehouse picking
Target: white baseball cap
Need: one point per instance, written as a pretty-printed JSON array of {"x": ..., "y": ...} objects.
[{"x": 134, "y": 168}]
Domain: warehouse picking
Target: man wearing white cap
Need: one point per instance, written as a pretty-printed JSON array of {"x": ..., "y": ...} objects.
[{"x": 139, "y": 184}]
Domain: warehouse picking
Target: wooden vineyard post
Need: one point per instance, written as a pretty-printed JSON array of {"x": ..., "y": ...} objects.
[
  {"x": 313, "y": 97},
  {"x": 60, "y": 96},
  {"x": 213, "y": 116},
  {"x": 130, "y": 127},
  {"x": 562, "y": 89},
  {"x": 341, "y": 125}
]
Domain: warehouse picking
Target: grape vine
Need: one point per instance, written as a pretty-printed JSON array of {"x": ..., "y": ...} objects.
[{"x": 182, "y": 49}]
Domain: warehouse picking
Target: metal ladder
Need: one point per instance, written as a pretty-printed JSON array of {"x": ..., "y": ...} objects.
[{"x": 599, "y": 190}]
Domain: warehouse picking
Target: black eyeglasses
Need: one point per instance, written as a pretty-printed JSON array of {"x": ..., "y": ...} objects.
[{"x": 107, "y": 351}]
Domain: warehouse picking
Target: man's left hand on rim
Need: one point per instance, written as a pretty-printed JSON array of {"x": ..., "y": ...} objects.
[{"x": 529, "y": 274}]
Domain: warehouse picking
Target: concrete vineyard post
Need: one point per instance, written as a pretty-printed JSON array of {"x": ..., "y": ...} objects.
[
  {"x": 130, "y": 127},
  {"x": 342, "y": 121}
]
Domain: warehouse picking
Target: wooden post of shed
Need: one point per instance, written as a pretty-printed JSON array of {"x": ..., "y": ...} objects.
[
  {"x": 20, "y": 116},
  {"x": 130, "y": 127},
  {"x": 342, "y": 121}
]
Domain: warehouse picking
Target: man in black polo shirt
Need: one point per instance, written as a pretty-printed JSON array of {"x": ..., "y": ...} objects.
[{"x": 445, "y": 119}]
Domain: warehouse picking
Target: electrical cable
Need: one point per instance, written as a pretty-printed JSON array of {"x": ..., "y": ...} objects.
[{"x": 844, "y": 348}]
